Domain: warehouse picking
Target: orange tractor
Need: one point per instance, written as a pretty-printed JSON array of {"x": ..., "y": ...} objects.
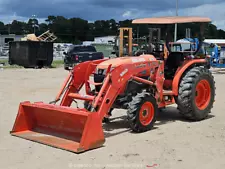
[{"x": 141, "y": 85}]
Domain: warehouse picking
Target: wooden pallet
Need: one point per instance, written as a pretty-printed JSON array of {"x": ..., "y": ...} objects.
[{"x": 47, "y": 37}]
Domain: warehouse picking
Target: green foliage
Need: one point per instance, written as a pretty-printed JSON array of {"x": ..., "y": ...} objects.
[
  {"x": 76, "y": 30},
  {"x": 55, "y": 64}
]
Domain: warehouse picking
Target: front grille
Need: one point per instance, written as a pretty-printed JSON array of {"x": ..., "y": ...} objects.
[
  {"x": 101, "y": 71},
  {"x": 98, "y": 78}
]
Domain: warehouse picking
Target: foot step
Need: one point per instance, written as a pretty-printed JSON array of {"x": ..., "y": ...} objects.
[{"x": 167, "y": 92}]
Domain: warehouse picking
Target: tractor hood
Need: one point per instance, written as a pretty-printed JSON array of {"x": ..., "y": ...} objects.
[{"x": 125, "y": 60}]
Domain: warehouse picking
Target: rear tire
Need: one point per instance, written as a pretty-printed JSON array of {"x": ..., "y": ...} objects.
[
  {"x": 196, "y": 94},
  {"x": 142, "y": 112}
]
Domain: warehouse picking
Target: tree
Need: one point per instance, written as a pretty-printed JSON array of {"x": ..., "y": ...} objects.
[
  {"x": 51, "y": 19},
  {"x": 76, "y": 30},
  {"x": 221, "y": 34},
  {"x": 17, "y": 27},
  {"x": 3, "y": 28}
]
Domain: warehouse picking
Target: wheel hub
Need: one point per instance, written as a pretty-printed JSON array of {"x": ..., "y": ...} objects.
[
  {"x": 146, "y": 113},
  {"x": 203, "y": 94}
]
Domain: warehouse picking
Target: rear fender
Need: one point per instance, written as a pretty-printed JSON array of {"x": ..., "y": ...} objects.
[{"x": 181, "y": 70}]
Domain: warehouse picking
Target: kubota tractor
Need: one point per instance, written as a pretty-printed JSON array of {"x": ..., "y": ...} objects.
[{"x": 141, "y": 85}]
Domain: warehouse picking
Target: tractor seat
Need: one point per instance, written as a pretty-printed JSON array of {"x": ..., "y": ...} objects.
[{"x": 174, "y": 60}]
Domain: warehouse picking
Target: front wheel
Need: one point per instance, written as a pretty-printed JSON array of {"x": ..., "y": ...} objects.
[
  {"x": 142, "y": 112},
  {"x": 196, "y": 94},
  {"x": 66, "y": 67}
]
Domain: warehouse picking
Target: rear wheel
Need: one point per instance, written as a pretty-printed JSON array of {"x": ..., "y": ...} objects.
[
  {"x": 142, "y": 112},
  {"x": 196, "y": 94}
]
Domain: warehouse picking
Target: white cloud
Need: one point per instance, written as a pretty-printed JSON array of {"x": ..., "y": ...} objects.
[
  {"x": 132, "y": 10},
  {"x": 127, "y": 14},
  {"x": 9, "y": 18},
  {"x": 214, "y": 11}
]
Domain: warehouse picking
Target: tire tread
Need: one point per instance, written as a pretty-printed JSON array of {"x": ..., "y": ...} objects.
[{"x": 185, "y": 95}]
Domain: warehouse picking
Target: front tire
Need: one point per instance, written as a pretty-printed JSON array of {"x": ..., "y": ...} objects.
[
  {"x": 196, "y": 94},
  {"x": 142, "y": 112},
  {"x": 66, "y": 68}
]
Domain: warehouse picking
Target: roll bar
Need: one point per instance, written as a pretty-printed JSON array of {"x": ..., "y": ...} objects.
[{"x": 174, "y": 20}]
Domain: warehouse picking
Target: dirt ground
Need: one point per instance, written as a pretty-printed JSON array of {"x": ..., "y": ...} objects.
[{"x": 173, "y": 144}]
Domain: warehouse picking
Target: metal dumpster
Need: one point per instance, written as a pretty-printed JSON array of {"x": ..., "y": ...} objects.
[{"x": 31, "y": 54}]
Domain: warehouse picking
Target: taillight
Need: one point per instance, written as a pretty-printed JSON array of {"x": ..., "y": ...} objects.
[{"x": 77, "y": 57}]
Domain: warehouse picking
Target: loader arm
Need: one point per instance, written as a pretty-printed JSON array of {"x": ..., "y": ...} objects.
[{"x": 75, "y": 81}]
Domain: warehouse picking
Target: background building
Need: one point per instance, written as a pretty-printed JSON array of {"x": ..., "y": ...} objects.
[
  {"x": 219, "y": 42},
  {"x": 4, "y": 46},
  {"x": 105, "y": 39},
  {"x": 11, "y": 37},
  {"x": 102, "y": 40}
]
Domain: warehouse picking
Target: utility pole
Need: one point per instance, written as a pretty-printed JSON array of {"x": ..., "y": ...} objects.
[
  {"x": 34, "y": 25},
  {"x": 9, "y": 31},
  {"x": 175, "y": 32}
]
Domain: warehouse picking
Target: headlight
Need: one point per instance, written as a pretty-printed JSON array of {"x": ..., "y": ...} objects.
[
  {"x": 112, "y": 69},
  {"x": 102, "y": 71}
]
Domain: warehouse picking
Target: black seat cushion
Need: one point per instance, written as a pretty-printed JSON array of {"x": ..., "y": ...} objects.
[{"x": 174, "y": 60}]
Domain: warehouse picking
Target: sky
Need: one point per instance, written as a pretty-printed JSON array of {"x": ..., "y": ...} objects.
[{"x": 92, "y": 10}]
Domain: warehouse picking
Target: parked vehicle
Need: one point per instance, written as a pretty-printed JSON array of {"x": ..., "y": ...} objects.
[{"x": 80, "y": 53}]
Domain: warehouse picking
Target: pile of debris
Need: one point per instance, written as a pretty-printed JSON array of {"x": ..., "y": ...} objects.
[{"x": 46, "y": 37}]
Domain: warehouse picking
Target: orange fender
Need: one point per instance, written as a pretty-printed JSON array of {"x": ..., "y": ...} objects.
[{"x": 180, "y": 72}]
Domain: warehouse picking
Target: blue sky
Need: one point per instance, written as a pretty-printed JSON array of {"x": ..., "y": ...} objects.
[{"x": 106, "y": 9}]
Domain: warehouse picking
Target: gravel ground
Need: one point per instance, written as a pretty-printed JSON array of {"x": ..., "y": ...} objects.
[{"x": 173, "y": 144}]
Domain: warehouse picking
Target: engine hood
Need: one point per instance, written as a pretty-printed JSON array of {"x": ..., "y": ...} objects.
[{"x": 125, "y": 60}]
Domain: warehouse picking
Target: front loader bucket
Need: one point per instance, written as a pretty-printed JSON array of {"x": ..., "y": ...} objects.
[{"x": 75, "y": 130}]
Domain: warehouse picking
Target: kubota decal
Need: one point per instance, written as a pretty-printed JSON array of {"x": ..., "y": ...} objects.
[
  {"x": 135, "y": 60},
  {"x": 123, "y": 73},
  {"x": 151, "y": 59},
  {"x": 141, "y": 65}
]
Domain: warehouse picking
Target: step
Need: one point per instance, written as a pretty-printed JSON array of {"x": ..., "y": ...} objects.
[
  {"x": 167, "y": 92},
  {"x": 95, "y": 84},
  {"x": 81, "y": 97}
]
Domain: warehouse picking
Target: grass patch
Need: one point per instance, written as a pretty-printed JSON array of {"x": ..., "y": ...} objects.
[
  {"x": 12, "y": 67},
  {"x": 55, "y": 64},
  {"x": 4, "y": 61}
]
